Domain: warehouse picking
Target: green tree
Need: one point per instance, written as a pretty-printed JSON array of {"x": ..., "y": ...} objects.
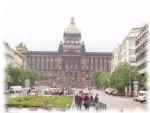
[
  {"x": 104, "y": 79},
  {"x": 32, "y": 75},
  {"x": 95, "y": 78},
  {"x": 17, "y": 76},
  {"x": 13, "y": 75},
  {"x": 142, "y": 79},
  {"x": 123, "y": 75}
]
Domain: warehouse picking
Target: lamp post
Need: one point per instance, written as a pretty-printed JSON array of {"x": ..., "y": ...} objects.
[
  {"x": 129, "y": 84},
  {"x": 67, "y": 76},
  {"x": 130, "y": 81}
]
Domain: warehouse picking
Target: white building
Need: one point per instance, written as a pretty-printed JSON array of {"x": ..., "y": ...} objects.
[
  {"x": 125, "y": 52},
  {"x": 12, "y": 57}
]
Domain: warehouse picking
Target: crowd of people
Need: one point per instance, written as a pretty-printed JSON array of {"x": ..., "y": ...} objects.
[{"x": 88, "y": 100}]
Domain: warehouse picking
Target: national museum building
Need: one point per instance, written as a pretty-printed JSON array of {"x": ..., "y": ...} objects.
[{"x": 70, "y": 65}]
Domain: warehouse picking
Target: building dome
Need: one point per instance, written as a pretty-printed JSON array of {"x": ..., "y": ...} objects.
[{"x": 72, "y": 27}]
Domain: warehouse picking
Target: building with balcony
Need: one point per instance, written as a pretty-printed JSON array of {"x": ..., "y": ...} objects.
[
  {"x": 142, "y": 50},
  {"x": 125, "y": 52}
]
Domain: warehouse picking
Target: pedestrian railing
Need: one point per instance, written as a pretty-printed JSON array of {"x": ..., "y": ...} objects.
[{"x": 100, "y": 106}]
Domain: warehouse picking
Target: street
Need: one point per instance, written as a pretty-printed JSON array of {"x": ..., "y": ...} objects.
[{"x": 118, "y": 102}]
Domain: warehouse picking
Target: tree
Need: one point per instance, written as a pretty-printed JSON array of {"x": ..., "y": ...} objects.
[
  {"x": 123, "y": 75},
  {"x": 142, "y": 79},
  {"x": 105, "y": 79},
  {"x": 17, "y": 76},
  {"x": 33, "y": 75},
  {"x": 13, "y": 75},
  {"x": 95, "y": 78}
]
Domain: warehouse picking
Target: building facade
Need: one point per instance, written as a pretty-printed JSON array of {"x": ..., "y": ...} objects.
[
  {"x": 125, "y": 52},
  {"x": 133, "y": 50},
  {"x": 12, "y": 57},
  {"x": 70, "y": 65},
  {"x": 142, "y": 50}
]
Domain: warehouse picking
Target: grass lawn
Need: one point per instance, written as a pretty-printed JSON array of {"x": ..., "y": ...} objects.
[{"x": 37, "y": 101}]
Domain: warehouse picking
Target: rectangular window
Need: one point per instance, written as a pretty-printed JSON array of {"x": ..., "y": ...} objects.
[
  {"x": 131, "y": 51},
  {"x": 131, "y": 43},
  {"x": 132, "y": 60}
]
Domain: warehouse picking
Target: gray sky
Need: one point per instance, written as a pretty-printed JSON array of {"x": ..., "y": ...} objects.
[{"x": 103, "y": 24}]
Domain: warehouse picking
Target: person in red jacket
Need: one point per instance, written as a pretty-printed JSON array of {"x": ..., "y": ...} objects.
[
  {"x": 79, "y": 101},
  {"x": 76, "y": 100},
  {"x": 86, "y": 102}
]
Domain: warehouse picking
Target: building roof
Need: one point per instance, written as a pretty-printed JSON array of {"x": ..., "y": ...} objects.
[
  {"x": 98, "y": 53},
  {"x": 42, "y": 52},
  {"x": 56, "y": 53}
]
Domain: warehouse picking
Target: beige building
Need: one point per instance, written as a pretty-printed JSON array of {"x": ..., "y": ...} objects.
[
  {"x": 133, "y": 50},
  {"x": 125, "y": 52},
  {"x": 70, "y": 65},
  {"x": 12, "y": 57}
]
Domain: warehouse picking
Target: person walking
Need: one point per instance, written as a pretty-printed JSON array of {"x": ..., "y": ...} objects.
[
  {"x": 96, "y": 102},
  {"x": 76, "y": 100},
  {"x": 91, "y": 100},
  {"x": 86, "y": 102},
  {"x": 80, "y": 100}
]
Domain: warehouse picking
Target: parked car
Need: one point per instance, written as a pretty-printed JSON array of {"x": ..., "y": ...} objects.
[
  {"x": 26, "y": 88},
  {"x": 106, "y": 90},
  {"x": 55, "y": 91},
  {"x": 129, "y": 94},
  {"x": 61, "y": 92},
  {"x": 114, "y": 93},
  {"x": 120, "y": 94},
  {"x": 34, "y": 89},
  {"x": 15, "y": 89},
  {"x": 142, "y": 96},
  {"x": 46, "y": 91},
  {"x": 109, "y": 91}
]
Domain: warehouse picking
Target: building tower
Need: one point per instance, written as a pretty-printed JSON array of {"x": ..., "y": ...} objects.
[
  {"x": 72, "y": 39},
  {"x": 21, "y": 48}
]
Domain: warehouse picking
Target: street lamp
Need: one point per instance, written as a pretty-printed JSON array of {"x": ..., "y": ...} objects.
[
  {"x": 129, "y": 83},
  {"x": 67, "y": 76}
]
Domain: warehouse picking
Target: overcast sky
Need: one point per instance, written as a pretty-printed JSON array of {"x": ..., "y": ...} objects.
[{"x": 103, "y": 24}]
